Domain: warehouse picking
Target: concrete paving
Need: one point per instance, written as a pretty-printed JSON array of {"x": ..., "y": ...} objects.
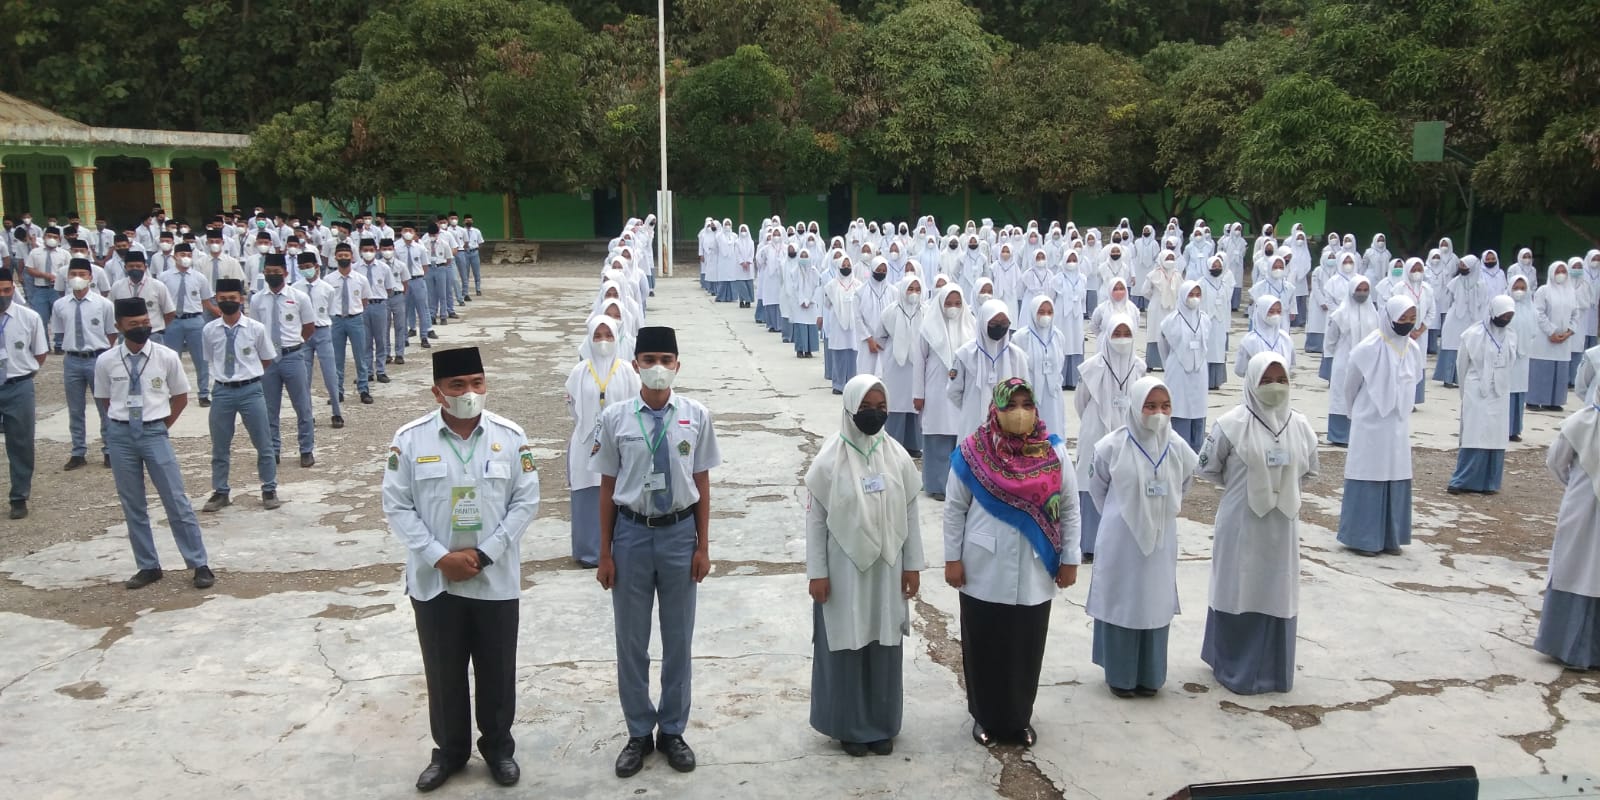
[{"x": 298, "y": 674}]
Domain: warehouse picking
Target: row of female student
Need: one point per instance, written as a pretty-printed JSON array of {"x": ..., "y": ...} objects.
[{"x": 1011, "y": 542}]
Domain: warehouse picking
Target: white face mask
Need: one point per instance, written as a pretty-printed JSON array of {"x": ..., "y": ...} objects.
[
  {"x": 1518, "y": 294},
  {"x": 369, "y": 256},
  {"x": 388, "y": 254},
  {"x": 263, "y": 248},
  {"x": 603, "y": 350},
  {"x": 658, "y": 377},
  {"x": 465, "y": 406},
  {"x": 1192, "y": 302},
  {"x": 78, "y": 284},
  {"x": 1526, "y": 262},
  {"x": 1277, "y": 273},
  {"x": 1122, "y": 346},
  {"x": 1415, "y": 277},
  {"x": 1274, "y": 320},
  {"x": 51, "y": 241},
  {"x": 1558, "y": 278},
  {"x": 1072, "y": 266},
  {"x": 293, "y": 251},
  {"x": 214, "y": 248},
  {"x": 1347, "y": 268},
  {"x": 166, "y": 247},
  {"x": 952, "y": 313},
  {"x": 1156, "y": 423},
  {"x": 984, "y": 297},
  {"x": 1045, "y": 320},
  {"x": 407, "y": 235},
  {"x": 184, "y": 261},
  {"x": 1273, "y": 395},
  {"x": 913, "y": 298}
]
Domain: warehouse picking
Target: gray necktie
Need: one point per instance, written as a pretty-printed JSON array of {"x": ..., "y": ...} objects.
[
  {"x": 660, "y": 461},
  {"x": 344, "y": 293},
  {"x": 277, "y": 319},
  {"x": 229, "y": 360},
  {"x": 183, "y": 294},
  {"x": 216, "y": 264},
  {"x": 77, "y": 324}
]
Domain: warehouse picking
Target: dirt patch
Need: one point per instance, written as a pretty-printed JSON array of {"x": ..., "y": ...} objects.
[
  {"x": 1301, "y": 717},
  {"x": 83, "y": 690},
  {"x": 354, "y": 612}
]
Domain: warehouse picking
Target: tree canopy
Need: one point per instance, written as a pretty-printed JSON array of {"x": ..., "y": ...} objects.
[{"x": 1268, "y": 103}]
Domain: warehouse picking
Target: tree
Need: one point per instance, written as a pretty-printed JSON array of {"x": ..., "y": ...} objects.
[
  {"x": 1541, "y": 81},
  {"x": 308, "y": 151},
  {"x": 1071, "y": 132},
  {"x": 1307, "y": 139},
  {"x": 931, "y": 62},
  {"x": 1200, "y": 118},
  {"x": 620, "y": 119}
]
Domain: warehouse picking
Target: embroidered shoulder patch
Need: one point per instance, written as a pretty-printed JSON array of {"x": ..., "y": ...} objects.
[{"x": 527, "y": 462}]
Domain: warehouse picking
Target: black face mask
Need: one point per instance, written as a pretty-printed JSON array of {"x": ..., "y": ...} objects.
[
  {"x": 1490, "y": 264},
  {"x": 954, "y": 246},
  {"x": 138, "y": 335},
  {"x": 135, "y": 275},
  {"x": 870, "y": 420},
  {"x": 1463, "y": 271},
  {"x": 343, "y": 262},
  {"x": 1403, "y": 328},
  {"x": 998, "y": 330},
  {"x": 972, "y": 247},
  {"x": 229, "y": 307},
  {"x": 845, "y": 271},
  {"x": 274, "y": 281},
  {"x": 1501, "y": 322},
  {"x": 1216, "y": 272},
  {"x": 880, "y": 276}
]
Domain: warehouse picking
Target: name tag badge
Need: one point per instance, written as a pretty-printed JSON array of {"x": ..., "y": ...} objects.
[
  {"x": 1195, "y": 344},
  {"x": 466, "y": 513},
  {"x": 1122, "y": 403},
  {"x": 1155, "y": 489},
  {"x": 1277, "y": 457},
  {"x": 655, "y": 482},
  {"x": 1499, "y": 360},
  {"x": 872, "y": 484},
  {"x": 135, "y": 402}
]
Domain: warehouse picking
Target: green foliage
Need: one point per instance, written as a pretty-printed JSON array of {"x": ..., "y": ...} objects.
[{"x": 1307, "y": 139}]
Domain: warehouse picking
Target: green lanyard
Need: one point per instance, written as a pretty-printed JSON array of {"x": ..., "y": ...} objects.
[
  {"x": 638, "y": 416},
  {"x": 867, "y": 456},
  {"x": 472, "y": 446}
]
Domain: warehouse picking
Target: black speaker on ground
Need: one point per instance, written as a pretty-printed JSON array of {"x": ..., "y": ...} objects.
[{"x": 1435, "y": 783}]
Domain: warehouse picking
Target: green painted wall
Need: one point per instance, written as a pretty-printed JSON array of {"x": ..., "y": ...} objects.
[{"x": 557, "y": 216}]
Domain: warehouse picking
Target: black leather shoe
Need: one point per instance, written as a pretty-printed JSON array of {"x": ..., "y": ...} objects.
[
  {"x": 106, "y": 460},
  {"x": 74, "y": 463},
  {"x": 1028, "y": 736},
  {"x": 307, "y": 460},
  {"x": 425, "y": 344},
  {"x": 19, "y": 509},
  {"x": 435, "y": 775},
  {"x": 631, "y": 759},
  {"x": 854, "y": 749},
  {"x": 205, "y": 402},
  {"x": 270, "y": 501},
  {"x": 981, "y": 736},
  {"x": 882, "y": 747},
  {"x": 1122, "y": 693},
  {"x": 366, "y": 398},
  {"x": 679, "y": 756},
  {"x": 204, "y": 578},
  {"x": 338, "y": 421},
  {"x": 142, "y": 578},
  {"x": 382, "y": 378},
  {"x": 399, "y": 359},
  {"x": 1145, "y": 691},
  {"x": 432, "y": 334},
  {"x": 505, "y": 771}
]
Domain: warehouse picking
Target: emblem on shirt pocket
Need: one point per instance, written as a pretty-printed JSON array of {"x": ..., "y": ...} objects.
[
  {"x": 683, "y": 448},
  {"x": 155, "y": 383},
  {"x": 246, "y": 351},
  {"x": 289, "y": 317}
]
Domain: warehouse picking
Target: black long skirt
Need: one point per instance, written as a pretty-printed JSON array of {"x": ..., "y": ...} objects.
[{"x": 1002, "y": 651}]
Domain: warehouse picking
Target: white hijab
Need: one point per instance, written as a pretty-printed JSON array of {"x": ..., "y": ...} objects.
[
  {"x": 1361, "y": 319},
  {"x": 869, "y": 527},
  {"x": 1137, "y": 451},
  {"x": 1254, "y": 430},
  {"x": 842, "y": 293},
  {"x": 1387, "y": 367},
  {"x": 945, "y": 336},
  {"x": 903, "y": 319}
]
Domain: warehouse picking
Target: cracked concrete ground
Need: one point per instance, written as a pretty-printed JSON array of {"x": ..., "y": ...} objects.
[{"x": 298, "y": 674}]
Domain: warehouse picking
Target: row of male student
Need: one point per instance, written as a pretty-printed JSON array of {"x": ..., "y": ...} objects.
[{"x": 368, "y": 304}]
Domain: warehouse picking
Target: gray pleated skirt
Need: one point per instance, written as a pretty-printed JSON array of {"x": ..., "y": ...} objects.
[
  {"x": 745, "y": 291},
  {"x": 1299, "y": 313},
  {"x": 1433, "y": 337},
  {"x": 1325, "y": 369},
  {"x": 1132, "y": 659},
  {"x": 1339, "y": 429},
  {"x": 841, "y": 367},
  {"x": 936, "y": 450},
  {"x": 1193, "y": 431},
  {"x": 1478, "y": 470},
  {"x": 1152, "y": 356},
  {"x": 1250, "y": 653},
  {"x": 1422, "y": 390},
  {"x": 1091, "y": 301},
  {"x": 1216, "y": 375},
  {"x": 1375, "y": 515},
  {"x": 1547, "y": 382},
  {"x": 906, "y": 428},
  {"x": 1069, "y": 371},
  {"x": 804, "y": 335},
  {"x": 724, "y": 291},
  {"x": 1444, "y": 370},
  {"x": 1518, "y": 399},
  {"x": 856, "y": 695},
  {"x": 1314, "y": 342},
  {"x": 586, "y": 525},
  {"x": 1089, "y": 517},
  {"x": 1238, "y": 293}
]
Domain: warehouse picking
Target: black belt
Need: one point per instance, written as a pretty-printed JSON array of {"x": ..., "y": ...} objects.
[
  {"x": 20, "y": 378},
  {"x": 396, "y": 294},
  {"x": 189, "y": 316},
  {"x": 283, "y": 351},
  {"x": 348, "y": 316},
  {"x": 663, "y": 521},
  {"x": 238, "y": 384},
  {"x": 87, "y": 354},
  {"x": 375, "y": 302}
]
